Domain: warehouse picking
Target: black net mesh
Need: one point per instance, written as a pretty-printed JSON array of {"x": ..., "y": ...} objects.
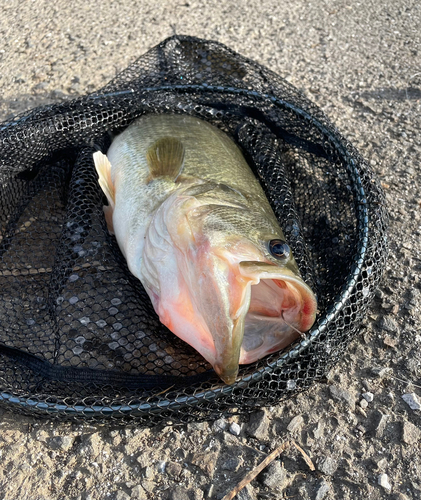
[{"x": 78, "y": 335}]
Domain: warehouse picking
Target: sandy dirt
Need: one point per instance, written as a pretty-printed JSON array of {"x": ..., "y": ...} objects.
[{"x": 361, "y": 63}]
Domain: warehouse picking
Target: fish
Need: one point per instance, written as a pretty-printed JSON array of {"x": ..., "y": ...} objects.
[{"x": 197, "y": 230}]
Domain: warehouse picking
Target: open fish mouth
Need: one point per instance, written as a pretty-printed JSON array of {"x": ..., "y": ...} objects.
[
  {"x": 281, "y": 309},
  {"x": 277, "y": 307}
]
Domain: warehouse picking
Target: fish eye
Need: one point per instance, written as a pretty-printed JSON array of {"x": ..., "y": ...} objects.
[{"x": 279, "y": 249}]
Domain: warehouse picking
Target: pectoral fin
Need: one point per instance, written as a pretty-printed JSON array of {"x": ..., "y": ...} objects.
[
  {"x": 103, "y": 168},
  {"x": 166, "y": 158}
]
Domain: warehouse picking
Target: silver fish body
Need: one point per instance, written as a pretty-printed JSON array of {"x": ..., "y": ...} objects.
[{"x": 195, "y": 227}]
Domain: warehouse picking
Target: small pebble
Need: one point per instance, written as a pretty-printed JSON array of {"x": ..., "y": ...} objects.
[
  {"x": 388, "y": 324},
  {"x": 148, "y": 472},
  {"x": 173, "y": 469},
  {"x": 410, "y": 433},
  {"x": 322, "y": 490},
  {"x": 246, "y": 493},
  {"x": 138, "y": 493},
  {"x": 235, "y": 429},
  {"x": 341, "y": 394},
  {"x": 383, "y": 481},
  {"x": 291, "y": 385},
  {"x": 327, "y": 465},
  {"x": 295, "y": 424},
  {"x": 381, "y": 372},
  {"x": 368, "y": 396},
  {"x": 389, "y": 341},
  {"x": 367, "y": 385},
  {"x": 161, "y": 466},
  {"x": 363, "y": 403},
  {"x": 275, "y": 476},
  {"x": 400, "y": 496},
  {"x": 318, "y": 431},
  {"x": 258, "y": 425},
  {"x": 412, "y": 401},
  {"x": 149, "y": 486},
  {"x": 380, "y": 421},
  {"x": 180, "y": 493},
  {"x": 219, "y": 425},
  {"x": 361, "y": 429},
  {"x": 231, "y": 463},
  {"x": 121, "y": 495},
  {"x": 60, "y": 443},
  {"x": 395, "y": 309}
]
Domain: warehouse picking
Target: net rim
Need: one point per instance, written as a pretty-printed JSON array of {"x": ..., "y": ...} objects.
[{"x": 337, "y": 304}]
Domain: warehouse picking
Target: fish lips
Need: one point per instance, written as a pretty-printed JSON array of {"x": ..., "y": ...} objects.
[
  {"x": 296, "y": 314},
  {"x": 258, "y": 271}
]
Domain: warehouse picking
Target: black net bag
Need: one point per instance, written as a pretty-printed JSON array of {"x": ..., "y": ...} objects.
[{"x": 79, "y": 338}]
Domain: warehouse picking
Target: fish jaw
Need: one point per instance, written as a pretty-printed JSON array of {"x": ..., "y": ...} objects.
[
  {"x": 235, "y": 313},
  {"x": 282, "y": 308},
  {"x": 201, "y": 301},
  {"x": 222, "y": 299},
  {"x": 249, "y": 309},
  {"x": 198, "y": 295}
]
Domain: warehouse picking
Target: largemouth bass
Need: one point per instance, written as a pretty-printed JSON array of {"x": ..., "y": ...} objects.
[{"x": 196, "y": 229}]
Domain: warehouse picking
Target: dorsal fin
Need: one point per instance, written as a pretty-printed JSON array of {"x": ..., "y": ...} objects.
[{"x": 166, "y": 158}]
